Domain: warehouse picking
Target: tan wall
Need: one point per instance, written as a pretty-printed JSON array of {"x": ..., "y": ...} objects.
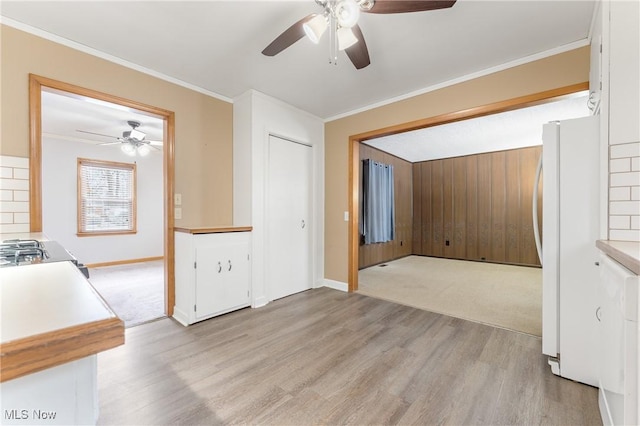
[
  {"x": 372, "y": 254},
  {"x": 557, "y": 71},
  {"x": 203, "y": 140}
]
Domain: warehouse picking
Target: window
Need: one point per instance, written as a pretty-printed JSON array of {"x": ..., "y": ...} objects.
[
  {"x": 378, "y": 202},
  {"x": 106, "y": 197}
]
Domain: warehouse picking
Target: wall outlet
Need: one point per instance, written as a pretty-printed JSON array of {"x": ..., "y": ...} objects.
[
  {"x": 346, "y": 216},
  {"x": 177, "y": 199},
  {"x": 177, "y": 213}
]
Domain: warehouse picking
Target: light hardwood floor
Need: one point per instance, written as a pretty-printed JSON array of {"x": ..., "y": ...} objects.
[{"x": 328, "y": 357}]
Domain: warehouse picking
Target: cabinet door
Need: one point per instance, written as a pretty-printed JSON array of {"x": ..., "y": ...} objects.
[
  {"x": 222, "y": 278},
  {"x": 624, "y": 68}
]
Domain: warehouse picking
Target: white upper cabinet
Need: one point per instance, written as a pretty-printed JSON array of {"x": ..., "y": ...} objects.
[{"x": 624, "y": 72}]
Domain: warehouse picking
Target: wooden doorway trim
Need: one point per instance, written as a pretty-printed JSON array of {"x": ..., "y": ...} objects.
[
  {"x": 354, "y": 151},
  {"x": 36, "y": 85}
]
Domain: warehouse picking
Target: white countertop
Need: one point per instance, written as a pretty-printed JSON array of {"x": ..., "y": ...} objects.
[
  {"x": 46, "y": 297},
  {"x": 50, "y": 315}
]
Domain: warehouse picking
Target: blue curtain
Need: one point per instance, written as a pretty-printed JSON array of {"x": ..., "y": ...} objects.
[{"x": 378, "y": 211}]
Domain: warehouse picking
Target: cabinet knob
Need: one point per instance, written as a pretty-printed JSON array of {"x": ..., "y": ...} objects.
[{"x": 599, "y": 314}]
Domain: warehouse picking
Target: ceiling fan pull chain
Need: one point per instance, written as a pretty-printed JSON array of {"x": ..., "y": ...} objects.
[{"x": 333, "y": 41}]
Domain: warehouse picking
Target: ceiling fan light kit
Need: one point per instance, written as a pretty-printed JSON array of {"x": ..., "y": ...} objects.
[
  {"x": 342, "y": 16},
  {"x": 132, "y": 141},
  {"x": 346, "y": 38},
  {"x": 315, "y": 27},
  {"x": 347, "y": 13}
]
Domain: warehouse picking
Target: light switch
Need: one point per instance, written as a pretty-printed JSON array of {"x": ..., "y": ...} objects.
[
  {"x": 346, "y": 216},
  {"x": 177, "y": 213},
  {"x": 177, "y": 199}
]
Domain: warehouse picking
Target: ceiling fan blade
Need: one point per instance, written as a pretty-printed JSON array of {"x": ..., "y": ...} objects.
[
  {"x": 110, "y": 143},
  {"x": 97, "y": 134},
  {"x": 157, "y": 143},
  {"x": 358, "y": 53},
  {"x": 405, "y": 6},
  {"x": 287, "y": 38}
]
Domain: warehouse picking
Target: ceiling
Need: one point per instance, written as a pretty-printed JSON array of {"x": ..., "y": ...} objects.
[
  {"x": 508, "y": 130},
  {"x": 214, "y": 46},
  {"x": 63, "y": 116}
]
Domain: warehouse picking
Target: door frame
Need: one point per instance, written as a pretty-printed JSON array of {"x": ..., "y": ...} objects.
[
  {"x": 354, "y": 152},
  {"x": 36, "y": 85}
]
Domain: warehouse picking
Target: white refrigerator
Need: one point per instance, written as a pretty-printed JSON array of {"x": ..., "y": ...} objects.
[{"x": 570, "y": 227}]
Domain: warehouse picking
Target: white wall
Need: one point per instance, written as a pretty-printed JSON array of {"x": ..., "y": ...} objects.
[
  {"x": 59, "y": 203},
  {"x": 256, "y": 116}
]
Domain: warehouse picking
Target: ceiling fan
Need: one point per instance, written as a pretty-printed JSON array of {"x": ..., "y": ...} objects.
[
  {"x": 132, "y": 141},
  {"x": 345, "y": 34}
]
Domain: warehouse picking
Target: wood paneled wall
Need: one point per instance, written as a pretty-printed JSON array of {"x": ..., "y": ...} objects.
[
  {"x": 477, "y": 207},
  {"x": 401, "y": 246}
]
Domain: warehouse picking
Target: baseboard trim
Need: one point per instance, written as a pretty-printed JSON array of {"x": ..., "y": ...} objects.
[
  {"x": 123, "y": 262},
  {"x": 336, "y": 285},
  {"x": 260, "y": 302},
  {"x": 180, "y": 316}
]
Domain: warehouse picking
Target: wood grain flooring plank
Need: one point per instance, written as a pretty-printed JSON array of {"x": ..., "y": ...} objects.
[{"x": 327, "y": 357}]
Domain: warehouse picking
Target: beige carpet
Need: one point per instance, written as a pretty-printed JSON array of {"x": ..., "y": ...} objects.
[
  {"x": 135, "y": 292},
  {"x": 505, "y": 296}
]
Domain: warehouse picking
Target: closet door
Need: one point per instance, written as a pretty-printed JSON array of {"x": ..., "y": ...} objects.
[{"x": 289, "y": 226}]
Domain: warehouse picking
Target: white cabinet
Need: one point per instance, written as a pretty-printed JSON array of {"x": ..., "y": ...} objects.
[
  {"x": 212, "y": 271},
  {"x": 618, "y": 315},
  {"x": 624, "y": 69}
]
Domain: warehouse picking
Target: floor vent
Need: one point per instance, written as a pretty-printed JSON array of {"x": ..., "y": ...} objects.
[{"x": 383, "y": 265}]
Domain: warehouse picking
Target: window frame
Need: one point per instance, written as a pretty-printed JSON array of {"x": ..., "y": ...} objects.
[{"x": 108, "y": 165}]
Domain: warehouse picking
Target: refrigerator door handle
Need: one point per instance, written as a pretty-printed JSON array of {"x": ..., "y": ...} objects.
[{"x": 536, "y": 228}]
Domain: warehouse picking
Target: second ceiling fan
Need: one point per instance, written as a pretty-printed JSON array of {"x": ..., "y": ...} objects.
[{"x": 341, "y": 17}]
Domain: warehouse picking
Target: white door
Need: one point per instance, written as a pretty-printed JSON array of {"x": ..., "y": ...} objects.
[{"x": 289, "y": 225}]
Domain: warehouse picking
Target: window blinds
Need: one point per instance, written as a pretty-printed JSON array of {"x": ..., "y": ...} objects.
[{"x": 106, "y": 197}]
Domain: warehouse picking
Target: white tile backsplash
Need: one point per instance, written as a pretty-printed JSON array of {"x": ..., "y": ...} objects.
[
  {"x": 14, "y": 162},
  {"x": 20, "y": 195},
  {"x": 620, "y": 194},
  {"x": 620, "y": 165},
  {"x": 625, "y": 179},
  {"x": 21, "y": 174},
  {"x": 624, "y": 192},
  {"x": 626, "y": 150},
  {"x": 19, "y": 184},
  {"x": 624, "y": 235},
  {"x": 6, "y": 218},
  {"x": 6, "y": 172},
  {"x": 15, "y": 227},
  {"x": 14, "y": 194},
  {"x": 624, "y": 207},
  {"x": 620, "y": 222}
]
